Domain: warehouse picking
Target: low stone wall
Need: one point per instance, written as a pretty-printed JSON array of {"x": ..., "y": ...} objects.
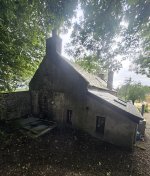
[{"x": 14, "y": 105}]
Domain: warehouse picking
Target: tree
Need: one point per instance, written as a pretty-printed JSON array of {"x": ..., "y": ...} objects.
[
  {"x": 95, "y": 33},
  {"x": 123, "y": 91},
  {"x": 137, "y": 35},
  {"x": 142, "y": 61},
  {"x": 133, "y": 91},
  {"x": 136, "y": 93},
  {"x": 91, "y": 64},
  {"x": 111, "y": 28},
  {"x": 24, "y": 25}
]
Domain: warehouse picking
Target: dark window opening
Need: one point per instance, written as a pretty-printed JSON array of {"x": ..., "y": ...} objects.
[
  {"x": 69, "y": 116},
  {"x": 100, "y": 125}
]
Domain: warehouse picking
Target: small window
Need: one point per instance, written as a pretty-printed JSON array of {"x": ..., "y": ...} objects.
[
  {"x": 69, "y": 116},
  {"x": 100, "y": 125}
]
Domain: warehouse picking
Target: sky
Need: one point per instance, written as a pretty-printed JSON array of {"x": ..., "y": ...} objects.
[{"x": 120, "y": 76}]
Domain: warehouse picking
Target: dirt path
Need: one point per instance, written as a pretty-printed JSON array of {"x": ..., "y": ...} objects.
[{"x": 70, "y": 154}]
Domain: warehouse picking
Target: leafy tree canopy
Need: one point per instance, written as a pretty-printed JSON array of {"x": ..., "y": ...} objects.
[
  {"x": 91, "y": 64},
  {"x": 133, "y": 91},
  {"x": 137, "y": 35},
  {"x": 114, "y": 27},
  {"x": 24, "y": 25}
]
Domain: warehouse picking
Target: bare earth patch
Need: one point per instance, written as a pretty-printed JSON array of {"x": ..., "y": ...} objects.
[{"x": 68, "y": 153}]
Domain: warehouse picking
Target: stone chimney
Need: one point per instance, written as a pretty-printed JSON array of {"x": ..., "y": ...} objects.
[
  {"x": 53, "y": 43},
  {"x": 110, "y": 80},
  {"x": 102, "y": 76}
]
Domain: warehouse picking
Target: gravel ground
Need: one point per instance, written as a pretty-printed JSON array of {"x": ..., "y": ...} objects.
[
  {"x": 68, "y": 153},
  {"x": 142, "y": 157}
]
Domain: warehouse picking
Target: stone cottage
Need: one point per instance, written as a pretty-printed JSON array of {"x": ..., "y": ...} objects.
[{"x": 63, "y": 92}]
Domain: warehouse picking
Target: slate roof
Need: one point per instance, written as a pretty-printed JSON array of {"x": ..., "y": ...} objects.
[
  {"x": 93, "y": 80},
  {"x": 127, "y": 107}
]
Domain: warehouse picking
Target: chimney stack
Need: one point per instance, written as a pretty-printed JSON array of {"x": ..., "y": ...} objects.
[
  {"x": 53, "y": 43},
  {"x": 102, "y": 76},
  {"x": 110, "y": 80}
]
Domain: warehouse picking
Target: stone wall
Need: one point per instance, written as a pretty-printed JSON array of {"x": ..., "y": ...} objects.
[
  {"x": 14, "y": 105},
  {"x": 57, "y": 81},
  {"x": 56, "y": 74}
]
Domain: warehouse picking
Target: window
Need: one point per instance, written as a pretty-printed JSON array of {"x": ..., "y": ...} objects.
[
  {"x": 69, "y": 116},
  {"x": 120, "y": 102},
  {"x": 100, "y": 125}
]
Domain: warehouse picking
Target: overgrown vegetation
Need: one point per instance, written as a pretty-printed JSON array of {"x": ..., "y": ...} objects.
[
  {"x": 24, "y": 26},
  {"x": 109, "y": 28},
  {"x": 91, "y": 64},
  {"x": 133, "y": 91},
  {"x": 113, "y": 28}
]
